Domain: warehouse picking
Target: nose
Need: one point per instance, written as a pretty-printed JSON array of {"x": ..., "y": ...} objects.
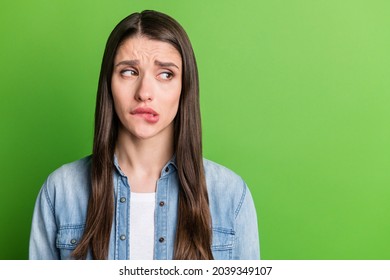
[{"x": 144, "y": 91}]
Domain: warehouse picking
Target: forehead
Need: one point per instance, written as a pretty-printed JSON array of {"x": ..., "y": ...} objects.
[{"x": 145, "y": 49}]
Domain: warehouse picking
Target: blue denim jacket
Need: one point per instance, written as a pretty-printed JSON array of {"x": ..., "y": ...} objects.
[{"x": 61, "y": 209}]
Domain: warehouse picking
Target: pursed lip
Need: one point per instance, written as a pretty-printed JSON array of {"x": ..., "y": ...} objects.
[
  {"x": 147, "y": 114},
  {"x": 144, "y": 110}
]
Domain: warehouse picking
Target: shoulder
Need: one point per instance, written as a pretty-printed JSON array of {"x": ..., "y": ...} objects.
[
  {"x": 221, "y": 176},
  {"x": 69, "y": 179},
  {"x": 71, "y": 172},
  {"x": 219, "y": 171},
  {"x": 226, "y": 189},
  {"x": 64, "y": 195}
]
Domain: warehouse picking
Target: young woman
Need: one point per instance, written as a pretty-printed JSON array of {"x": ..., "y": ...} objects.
[{"x": 146, "y": 192}]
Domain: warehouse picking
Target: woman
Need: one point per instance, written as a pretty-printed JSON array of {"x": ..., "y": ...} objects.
[{"x": 146, "y": 192}]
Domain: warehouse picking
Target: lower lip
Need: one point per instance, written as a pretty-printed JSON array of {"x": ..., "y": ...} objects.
[{"x": 150, "y": 118}]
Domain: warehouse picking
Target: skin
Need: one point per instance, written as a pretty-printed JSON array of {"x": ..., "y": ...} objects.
[{"x": 147, "y": 74}]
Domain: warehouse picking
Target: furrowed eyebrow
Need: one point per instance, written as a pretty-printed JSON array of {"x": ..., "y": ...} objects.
[
  {"x": 165, "y": 64},
  {"x": 134, "y": 62}
]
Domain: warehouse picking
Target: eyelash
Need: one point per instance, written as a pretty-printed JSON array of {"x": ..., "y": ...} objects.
[
  {"x": 169, "y": 74},
  {"x": 134, "y": 73}
]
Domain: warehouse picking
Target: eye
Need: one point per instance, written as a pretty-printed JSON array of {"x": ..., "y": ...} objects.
[
  {"x": 128, "y": 73},
  {"x": 166, "y": 75}
]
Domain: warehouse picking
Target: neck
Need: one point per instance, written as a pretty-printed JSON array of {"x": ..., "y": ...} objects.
[{"x": 143, "y": 157}]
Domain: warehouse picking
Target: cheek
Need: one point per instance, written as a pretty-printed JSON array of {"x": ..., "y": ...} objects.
[
  {"x": 119, "y": 96},
  {"x": 174, "y": 103},
  {"x": 175, "y": 98},
  {"x": 168, "y": 98},
  {"x": 174, "y": 110},
  {"x": 119, "y": 106}
]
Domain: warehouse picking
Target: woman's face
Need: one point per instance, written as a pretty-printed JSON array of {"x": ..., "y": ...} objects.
[{"x": 146, "y": 87}]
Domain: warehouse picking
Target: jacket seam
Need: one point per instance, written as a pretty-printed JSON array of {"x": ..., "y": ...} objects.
[
  {"x": 240, "y": 202},
  {"x": 48, "y": 200}
]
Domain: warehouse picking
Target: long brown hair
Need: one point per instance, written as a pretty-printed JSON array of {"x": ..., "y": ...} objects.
[{"x": 193, "y": 232}]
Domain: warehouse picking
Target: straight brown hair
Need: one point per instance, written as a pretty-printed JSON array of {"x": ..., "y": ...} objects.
[{"x": 193, "y": 232}]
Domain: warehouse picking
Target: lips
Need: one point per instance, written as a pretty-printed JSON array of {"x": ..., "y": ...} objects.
[{"x": 146, "y": 113}]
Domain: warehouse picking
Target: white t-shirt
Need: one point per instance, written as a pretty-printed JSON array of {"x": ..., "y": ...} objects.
[{"x": 142, "y": 225}]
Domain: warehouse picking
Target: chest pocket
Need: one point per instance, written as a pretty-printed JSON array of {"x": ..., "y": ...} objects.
[
  {"x": 222, "y": 243},
  {"x": 68, "y": 237}
]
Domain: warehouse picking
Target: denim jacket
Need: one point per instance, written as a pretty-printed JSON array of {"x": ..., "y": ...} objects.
[{"x": 61, "y": 209}]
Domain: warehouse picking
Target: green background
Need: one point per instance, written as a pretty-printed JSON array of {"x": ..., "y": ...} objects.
[{"x": 294, "y": 94}]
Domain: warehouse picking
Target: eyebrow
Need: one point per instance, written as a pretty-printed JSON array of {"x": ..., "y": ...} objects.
[
  {"x": 135, "y": 62},
  {"x": 165, "y": 64}
]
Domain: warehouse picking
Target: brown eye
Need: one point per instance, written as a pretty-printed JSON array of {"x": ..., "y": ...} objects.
[
  {"x": 128, "y": 73},
  {"x": 166, "y": 76}
]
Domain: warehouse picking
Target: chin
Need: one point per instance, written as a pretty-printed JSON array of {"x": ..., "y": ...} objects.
[{"x": 144, "y": 134}]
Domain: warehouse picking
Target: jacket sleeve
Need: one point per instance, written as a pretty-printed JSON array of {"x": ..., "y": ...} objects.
[
  {"x": 43, "y": 229},
  {"x": 247, "y": 245}
]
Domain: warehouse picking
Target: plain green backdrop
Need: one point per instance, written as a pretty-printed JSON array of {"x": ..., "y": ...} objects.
[{"x": 295, "y": 98}]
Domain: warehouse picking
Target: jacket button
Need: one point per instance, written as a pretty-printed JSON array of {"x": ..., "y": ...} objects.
[
  {"x": 122, "y": 237},
  {"x": 162, "y": 203},
  {"x": 123, "y": 199},
  {"x": 167, "y": 169},
  {"x": 161, "y": 239},
  {"x": 73, "y": 241}
]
